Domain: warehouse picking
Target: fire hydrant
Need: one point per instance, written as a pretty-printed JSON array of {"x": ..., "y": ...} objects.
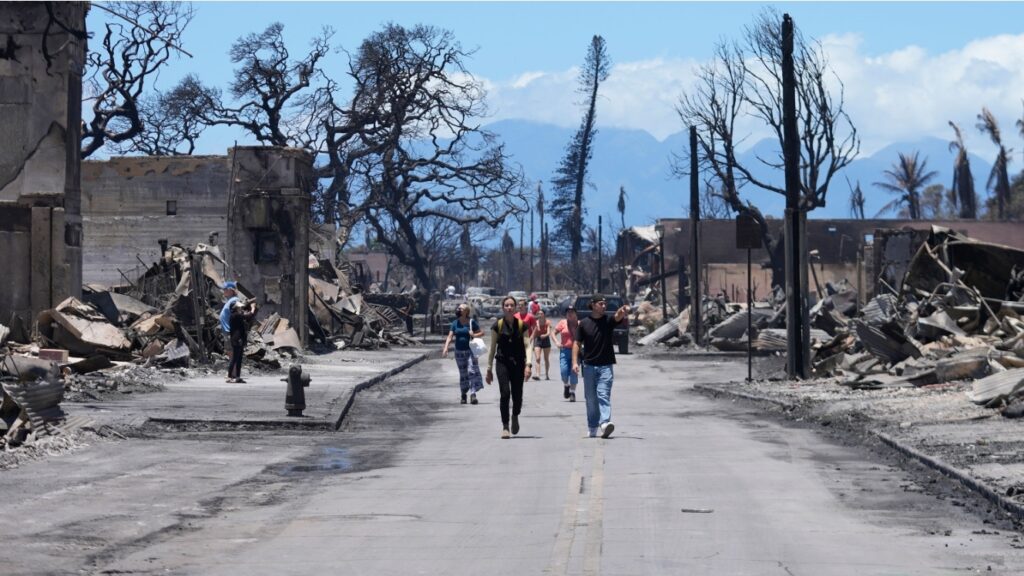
[{"x": 295, "y": 396}]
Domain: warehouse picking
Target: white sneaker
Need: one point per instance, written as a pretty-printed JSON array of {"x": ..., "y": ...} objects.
[{"x": 606, "y": 429}]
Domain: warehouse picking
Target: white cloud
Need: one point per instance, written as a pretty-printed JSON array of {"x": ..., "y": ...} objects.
[{"x": 905, "y": 94}]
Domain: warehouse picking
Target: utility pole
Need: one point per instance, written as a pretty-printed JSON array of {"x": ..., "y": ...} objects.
[
  {"x": 696, "y": 302},
  {"x": 531, "y": 250},
  {"x": 547, "y": 255},
  {"x": 522, "y": 228},
  {"x": 797, "y": 325},
  {"x": 600, "y": 228}
]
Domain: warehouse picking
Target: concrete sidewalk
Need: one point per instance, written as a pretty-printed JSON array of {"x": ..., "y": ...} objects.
[
  {"x": 336, "y": 378},
  {"x": 936, "y": 426}
]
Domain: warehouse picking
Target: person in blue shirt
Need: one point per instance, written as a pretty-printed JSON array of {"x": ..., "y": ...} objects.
[
  {"x": 230, "y": 297},
  {"x": 462, "y": 329}
]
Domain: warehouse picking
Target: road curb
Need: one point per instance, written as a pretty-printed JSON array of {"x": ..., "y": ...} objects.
[
  {"x": 1011, "y": 508},
  {"x": 376, "y": 380},
  {"x": 326, "y": 423}
]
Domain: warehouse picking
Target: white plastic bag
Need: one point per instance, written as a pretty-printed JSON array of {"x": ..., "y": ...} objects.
[{"x": 478, "y": 346}]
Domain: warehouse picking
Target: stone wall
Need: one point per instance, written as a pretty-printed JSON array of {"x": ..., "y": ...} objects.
[
  {"x": 41, "y": 64},
  {"x": 129, "y": 204}
]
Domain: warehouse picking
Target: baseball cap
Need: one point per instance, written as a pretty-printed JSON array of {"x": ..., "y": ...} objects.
[
  {"x": 597, "y": 298},
  {"x": 230, "y": 285}
]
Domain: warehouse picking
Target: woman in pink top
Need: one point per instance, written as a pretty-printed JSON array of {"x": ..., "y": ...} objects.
[{"x": 564, "y": 332}]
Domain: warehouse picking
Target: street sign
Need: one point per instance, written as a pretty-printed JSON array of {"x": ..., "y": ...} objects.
[{"x": 748, "y": 233}]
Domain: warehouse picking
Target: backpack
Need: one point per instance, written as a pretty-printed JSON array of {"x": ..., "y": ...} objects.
[{"x": 519, "y": 324}]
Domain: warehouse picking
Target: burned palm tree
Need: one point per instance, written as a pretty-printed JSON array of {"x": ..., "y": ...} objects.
[
  {"x": 622, "y": 205},
  {"x": 906, "y": 178},
  {"x": 962, "y": 192},
  {"x": 856, "y": 201},
  {"x": 998, "y": 179},
  {"x": 1020, "y": 124}
]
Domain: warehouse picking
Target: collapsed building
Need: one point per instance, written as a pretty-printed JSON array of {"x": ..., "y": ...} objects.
[
  {"x": 942, "y": 308},
  {"x": 868, "y": 254},
  {"x": 125, "y": 263}
]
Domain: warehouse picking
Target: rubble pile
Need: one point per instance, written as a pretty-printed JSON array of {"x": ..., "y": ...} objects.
[
  {"x": 342, "y": 316},
  {"x": 168, "y": 316},
  {"x": 957, "y": 316}
]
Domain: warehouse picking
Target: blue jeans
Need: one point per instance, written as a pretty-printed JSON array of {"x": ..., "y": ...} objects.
[
  {"x": 597, "y": 386},
  {"x": 569, "y": 378}
]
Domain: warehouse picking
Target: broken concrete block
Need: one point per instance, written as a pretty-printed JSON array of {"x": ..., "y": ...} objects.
[{"x": 57, "y": 355}]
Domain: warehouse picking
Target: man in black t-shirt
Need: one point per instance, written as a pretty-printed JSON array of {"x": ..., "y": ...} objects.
[{"x": 593, "y": 348}]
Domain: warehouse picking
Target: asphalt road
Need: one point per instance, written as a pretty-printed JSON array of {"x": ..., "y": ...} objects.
[{"x": 416, "y": 483}]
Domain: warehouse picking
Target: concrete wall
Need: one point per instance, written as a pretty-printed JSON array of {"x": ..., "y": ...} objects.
[
  {"x": 40, "y": 123},
  {"x": 268, "y": 228},
  {"x": 125, "y": 210}
]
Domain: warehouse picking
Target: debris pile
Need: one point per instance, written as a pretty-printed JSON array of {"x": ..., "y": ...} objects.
[
  {"x": 168, "y": 316},
  {"x": 954, "y": 315},
  {"x": 341, "y": 316}
]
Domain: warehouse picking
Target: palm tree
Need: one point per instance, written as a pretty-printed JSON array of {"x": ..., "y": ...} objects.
[
  {"x": 1020, "y": 123},
  {"x": 999, "y": 176},
  {"x": 963, "y": 181},
  {"x": 622, "y": 205},
  {"x": 856, "y": 201},
  {"x": 906, "y": 178}
]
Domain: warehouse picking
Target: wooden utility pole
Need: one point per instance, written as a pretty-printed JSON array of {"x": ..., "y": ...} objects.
[
  {"x": 797, "y": 326},
  {"x": 696, "y": 302},
  {"x": 547, "y": 255},
  {"x": 600, "y": 229},
  {"x": 531, "y": 250}
]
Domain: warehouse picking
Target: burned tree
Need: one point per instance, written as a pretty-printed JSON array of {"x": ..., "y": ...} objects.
[
  {"x": 856, "y": 201},
  {"x": 269, "y": 88},
  {"x": 408, "y": 147},
  {"x": 139, "y": 39},
  {"x": 571, "y": 174},
  {"x": 172, "y": 121},
  {"x": 963, "y": 195},
  {"x": 745, "y": 78},
  {"x": 998, "y": 178}
]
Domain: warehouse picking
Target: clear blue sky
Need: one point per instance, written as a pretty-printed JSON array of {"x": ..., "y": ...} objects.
[
  {"x": 517, "y": 36},
  {"x": 908, "y": 67}
]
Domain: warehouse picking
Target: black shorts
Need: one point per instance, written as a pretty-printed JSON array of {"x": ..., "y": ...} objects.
[{"x": 544, "y": 342}]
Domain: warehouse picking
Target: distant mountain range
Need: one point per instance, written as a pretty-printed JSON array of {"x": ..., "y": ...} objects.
[{"x": 638, "y": 161}]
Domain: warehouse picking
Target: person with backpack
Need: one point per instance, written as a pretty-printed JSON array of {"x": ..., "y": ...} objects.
[
  {"x": 512, "y": 359},
  {"x": 463, "y": 328}
]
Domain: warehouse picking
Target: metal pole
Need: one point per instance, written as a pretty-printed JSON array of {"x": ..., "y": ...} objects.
[
  {"x": 531, "y": 249},
  {"x": 696, "y": 302},
  {"x": 545, "y": 254},
  {"x": 600, "y": 228},
  {"x": 664, "y": 292},
  {"x": 799, "y": 352},
  {"x": 750, "y": 322}
]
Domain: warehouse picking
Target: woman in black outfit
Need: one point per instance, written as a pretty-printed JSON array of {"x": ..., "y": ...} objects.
[{"x": 512, "y": 359}]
